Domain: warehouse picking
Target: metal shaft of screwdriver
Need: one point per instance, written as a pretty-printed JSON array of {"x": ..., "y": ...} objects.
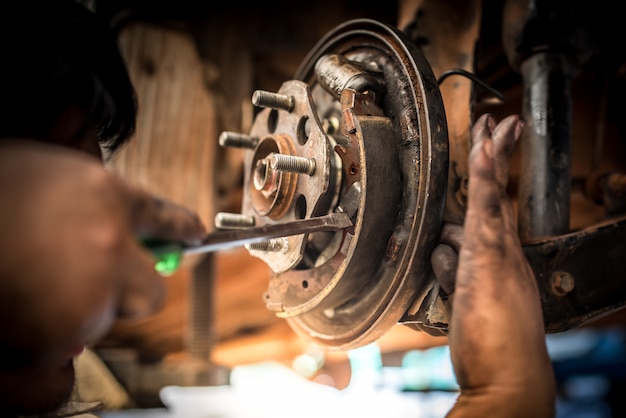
[{"x": 222, "y": 240}]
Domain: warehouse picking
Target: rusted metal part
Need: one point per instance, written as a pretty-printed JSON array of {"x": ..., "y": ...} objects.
[
  {"x": 412, "y": 101},
  {"x": 355, "y": 261},
  {"x": 273, "y": 191},
  {"x": 573, "y": 290},
  {"x": 545, "y": 146},
  {"x": 561, "y": 283},
  {"x": 546, "y": 42},
  {"x": 336, "y": 74},
  {"x": 349, "y": 148},
  {"x": 275, "y": 195},
  {"x": 447, "y": 33},
  {"x": 382, "y": 115},
  {"x": 594, "y": 257},
  {"x": 432, "y": 315}
]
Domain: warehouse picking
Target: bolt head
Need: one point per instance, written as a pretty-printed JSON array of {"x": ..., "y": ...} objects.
[{"x": 562, "y": 283}]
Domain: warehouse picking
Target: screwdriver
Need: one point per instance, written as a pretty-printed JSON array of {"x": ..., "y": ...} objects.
[{"x": 170, "y": 254}]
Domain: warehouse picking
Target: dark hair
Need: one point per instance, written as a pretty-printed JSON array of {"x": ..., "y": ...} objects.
[{"x": 54, "y": 53}]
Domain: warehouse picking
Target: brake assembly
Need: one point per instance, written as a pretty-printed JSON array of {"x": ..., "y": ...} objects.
[{"x": 361, "y": 129}]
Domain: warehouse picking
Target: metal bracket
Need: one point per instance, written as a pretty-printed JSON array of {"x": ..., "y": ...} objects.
[{"x": 578, "y": 275}]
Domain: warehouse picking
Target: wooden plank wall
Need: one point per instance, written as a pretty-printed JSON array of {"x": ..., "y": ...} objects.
[
  {"x": 173, "y": 151},
  {"x": 175, "y": 154}
]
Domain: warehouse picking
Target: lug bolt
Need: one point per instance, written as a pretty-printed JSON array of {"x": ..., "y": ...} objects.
[
  {"x": 562, "y": 283},
  {"x": 273, "y": 245},
  {"x": 292, "y": 164},
  {"x": 237, "y": 140},
  {"x": 224, "y": 220},
  {"x": 262, "y": 98}
]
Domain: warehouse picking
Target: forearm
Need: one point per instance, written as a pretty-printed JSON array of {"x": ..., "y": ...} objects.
[
  {"x": 503, "y": 367},
  {"x": 497, "y": 335},
  {"x": 535, "y": 401}
]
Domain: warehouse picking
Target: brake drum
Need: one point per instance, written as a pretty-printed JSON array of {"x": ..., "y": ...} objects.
[{"x": 360, "y": 129}]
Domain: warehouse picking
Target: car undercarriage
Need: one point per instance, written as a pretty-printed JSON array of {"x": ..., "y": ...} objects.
[{"x": 366, "y": 108}]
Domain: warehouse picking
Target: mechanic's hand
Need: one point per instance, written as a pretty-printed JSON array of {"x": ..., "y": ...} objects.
[
  {"x": 497, "y": 336},
  {"x": 70, "y": 257}
]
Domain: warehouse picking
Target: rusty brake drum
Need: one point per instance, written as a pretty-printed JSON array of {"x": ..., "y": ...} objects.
[{"x": 360, "y": 129}]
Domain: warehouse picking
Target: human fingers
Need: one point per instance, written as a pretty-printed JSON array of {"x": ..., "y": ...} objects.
[
  {"x": 482, "y": 150},
  {"x": 444, "y": 260},
  {"x": 482, "y": 128},
  {"x": 483, "y": 220},
  {"x": 494, "y": 283},
  {"x": 452, "y": 235},
  {"x": 505, "y": 134},
  {"x": 153, "y": 217}
]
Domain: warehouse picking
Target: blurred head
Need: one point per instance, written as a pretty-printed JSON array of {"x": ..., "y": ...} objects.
[
  {"x": 62, "y": 81},
  {"x": 62, "y": 63}
]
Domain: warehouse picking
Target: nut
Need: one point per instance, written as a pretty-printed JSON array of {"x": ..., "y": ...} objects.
[{"x": 561, "y": 283}]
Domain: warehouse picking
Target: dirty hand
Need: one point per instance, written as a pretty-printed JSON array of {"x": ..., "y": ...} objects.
[
  {"x": 70, "y": 258},
  {"x": 497, "y": 336}
]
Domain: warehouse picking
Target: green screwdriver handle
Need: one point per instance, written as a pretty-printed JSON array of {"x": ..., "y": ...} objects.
[{"x": 168, "y": 255}]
